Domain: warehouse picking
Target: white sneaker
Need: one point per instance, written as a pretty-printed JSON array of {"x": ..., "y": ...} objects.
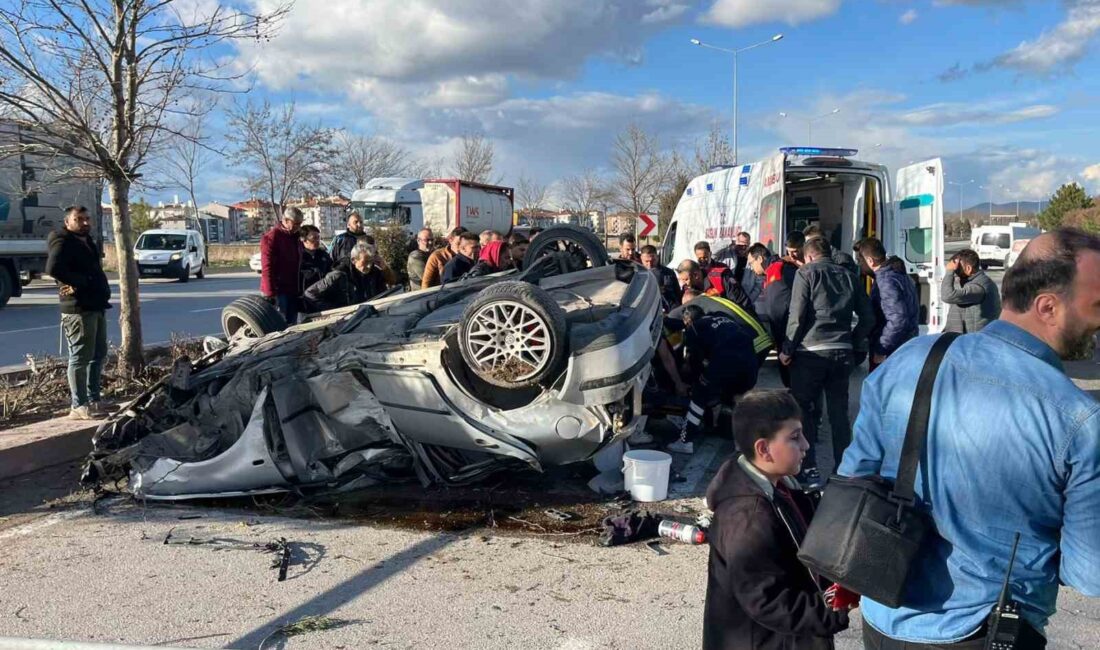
[
  {"x": 680, "y": 447},
  {"x": 640, "y": 437},
  {"x": 80, "y": 413}
]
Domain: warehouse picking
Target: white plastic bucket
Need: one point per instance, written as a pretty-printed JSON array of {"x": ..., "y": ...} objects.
[{"x": 645, "y": 474}]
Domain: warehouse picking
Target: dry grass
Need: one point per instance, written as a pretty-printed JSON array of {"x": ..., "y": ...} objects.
[
  {"x": 44, "y": 391},
  {"x": 225, "y": 255}
]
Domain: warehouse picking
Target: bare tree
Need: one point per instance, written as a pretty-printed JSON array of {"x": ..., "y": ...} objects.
[
  {"x": 714, "y": 150},
  {"x": 363, "y": 157},
  {"x": 283, "y": 156},
  {"x": 584, "y": 192},
  {"x": 186, "y": 155},
  {"x": 530, "y": 194},
  {"x": 474, "y": 159},
  {"x": 641, "y": 171},
  {"x": 96, "y": 81}
]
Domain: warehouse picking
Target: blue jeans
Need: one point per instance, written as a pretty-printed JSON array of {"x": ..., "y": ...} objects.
[
  {"x": 288, "y": 307},
  {"x": 87, "y": 337}
]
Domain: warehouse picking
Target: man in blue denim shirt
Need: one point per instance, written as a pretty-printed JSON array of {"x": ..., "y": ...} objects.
[{"x": 1013, "y": 446}]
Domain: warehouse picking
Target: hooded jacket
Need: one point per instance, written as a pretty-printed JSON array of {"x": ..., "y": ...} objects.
[
  {"x": 346, "y": 285},
  {"x": 75, "y": 264},
  {"x": 894, "y": 300},
  {"x": 456, "y": 267},
  {"x": 759, "y": 596}
]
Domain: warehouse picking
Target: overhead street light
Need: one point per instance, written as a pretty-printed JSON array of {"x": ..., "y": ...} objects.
[
  {"x": 810, "y": 122},
  {"x": 960, "y": 185},
  {"x": 735, "y": 52}
]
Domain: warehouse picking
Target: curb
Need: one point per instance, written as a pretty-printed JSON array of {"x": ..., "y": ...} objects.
[
  {"x": 44, "y": 444},
  {"x": 21, "y": 371}
]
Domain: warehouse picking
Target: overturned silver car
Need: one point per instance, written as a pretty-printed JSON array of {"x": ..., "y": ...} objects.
[{"x": 513, "y": 370}]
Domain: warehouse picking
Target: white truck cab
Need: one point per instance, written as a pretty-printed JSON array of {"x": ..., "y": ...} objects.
[
  {"x": 847, "y": 198},
  {"x": 175, "y": 254},
  {"x": 438, "y": 203}
]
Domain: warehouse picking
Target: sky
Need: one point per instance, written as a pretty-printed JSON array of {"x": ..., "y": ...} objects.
[{"x": 1006, "y": 92}]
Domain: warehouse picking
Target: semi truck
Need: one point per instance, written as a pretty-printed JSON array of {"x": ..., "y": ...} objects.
[
  {"x": 438, "y": 203},
  {"x": 34, "y": 193}
]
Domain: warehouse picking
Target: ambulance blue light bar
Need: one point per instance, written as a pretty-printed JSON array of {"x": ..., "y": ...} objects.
[{"x": 818, "y": 151}]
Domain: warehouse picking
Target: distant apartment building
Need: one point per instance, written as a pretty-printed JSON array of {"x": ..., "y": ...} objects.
[
  {"x": 220, "y": 223},
  {"x": 259, "y": 217},
  {"x": 328, "y": 213}
]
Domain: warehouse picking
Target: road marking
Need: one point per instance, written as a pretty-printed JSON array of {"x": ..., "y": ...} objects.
[
  {"x": 196, "y": 311},
  {"x": 31, "y": 329},
  {"x": 43, "y": 522}
]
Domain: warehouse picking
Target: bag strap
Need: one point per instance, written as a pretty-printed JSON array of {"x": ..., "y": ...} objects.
[{"x": 917, "y": 430}]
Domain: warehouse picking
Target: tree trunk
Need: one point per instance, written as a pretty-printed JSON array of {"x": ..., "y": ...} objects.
[{"x": 131, "y": 357}]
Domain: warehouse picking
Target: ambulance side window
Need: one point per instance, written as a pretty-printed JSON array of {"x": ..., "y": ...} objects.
[{"x": 669, "y": 245}]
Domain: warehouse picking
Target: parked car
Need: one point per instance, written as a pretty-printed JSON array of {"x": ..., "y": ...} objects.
[
  {"x": 1014, "y": 254},
  {"x": 450, "y": 384},
  {"x": 171, "y": 254},
  {"x": 254, "y": 263}
]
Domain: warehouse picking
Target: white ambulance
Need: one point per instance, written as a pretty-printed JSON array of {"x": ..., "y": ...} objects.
[{"x": 847, "y": 198}]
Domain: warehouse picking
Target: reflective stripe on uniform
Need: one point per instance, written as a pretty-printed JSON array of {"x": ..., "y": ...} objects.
[{"x": 763, "y": 340}]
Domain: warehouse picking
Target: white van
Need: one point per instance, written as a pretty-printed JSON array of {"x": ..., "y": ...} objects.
[
  {"x": 171, "y": 254},
  {"x": 993, "y": 244},
  {"x": 849, "y": 199}
]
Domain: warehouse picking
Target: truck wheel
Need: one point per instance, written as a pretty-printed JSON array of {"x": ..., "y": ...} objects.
[
  {"x": 582, "y": 246},
  {"x": 513, "y": 335},
  {"x": 251, "y": 317},
  {"x": 7, "y": 286},
  {"x": 185, "y": 275}
]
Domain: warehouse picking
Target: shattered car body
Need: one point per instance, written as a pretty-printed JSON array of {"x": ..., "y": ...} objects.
[{"x": 514, "y": 370}]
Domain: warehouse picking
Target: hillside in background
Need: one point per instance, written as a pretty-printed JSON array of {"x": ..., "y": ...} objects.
[{"x": 1028, "y": 209}]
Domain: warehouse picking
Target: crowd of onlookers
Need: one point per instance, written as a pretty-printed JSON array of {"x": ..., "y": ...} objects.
[{"x": 300, "y": 276}]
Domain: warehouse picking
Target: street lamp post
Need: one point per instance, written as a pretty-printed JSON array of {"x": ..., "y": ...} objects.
[
  {"x": 990, "y": 188},
  {"x": 960, "y": 184},
  {"x": 735, "y": 52},
  {"x": 810, "y": 123}
]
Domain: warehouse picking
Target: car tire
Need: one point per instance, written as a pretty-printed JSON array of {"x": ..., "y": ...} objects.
[
  {"x": 185, "y": 275},
  {"x": 251, "y": 317},
  {"x": 7, "y": 286},
  {"x": 513, "y": 335},
  {"x": 586, "y": 248},
  {"x": 202, "y": 271}
]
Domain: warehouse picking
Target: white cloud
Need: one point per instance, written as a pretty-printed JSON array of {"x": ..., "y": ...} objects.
[
  {"x": 908, "y": 17},
  {"x": 951, "y": 114},
  {"x": 1091, "y": 173},
  {"x": 740, "y": 13},
  {"x": 329, "y": 45},
  {"x": 1059, "y": 48}
]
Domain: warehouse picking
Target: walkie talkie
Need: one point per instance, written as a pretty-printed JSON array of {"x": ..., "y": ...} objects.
[{"x": 1004, "y": 620}]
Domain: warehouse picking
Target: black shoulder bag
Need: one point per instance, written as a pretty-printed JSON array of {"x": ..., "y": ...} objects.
[{"x": 868, "y": 530}]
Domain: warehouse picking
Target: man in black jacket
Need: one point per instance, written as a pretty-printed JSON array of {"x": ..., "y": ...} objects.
[
  {"x": 353, "y": 281},
  {"x": 667, "y": 282},
  {"x": 464, "y": 260},
  {"x": 74, "y": 262},
  {"x": 893, "y": 299},
  {"x": 316, "y": 262},
  {"x": 340, "y": 248},
  {"x": 759, "y": 596},
  {"x": 827, "y": 334},
  {"x": 724, "y": 364}
]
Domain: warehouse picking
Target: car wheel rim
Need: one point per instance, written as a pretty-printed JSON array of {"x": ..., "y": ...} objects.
[
  {"x": 509, "y": 340},
  {"x": 239, "y": 329}
]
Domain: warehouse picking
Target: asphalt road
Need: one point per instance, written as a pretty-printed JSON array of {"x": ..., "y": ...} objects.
[{"x": 31, "y": 324}]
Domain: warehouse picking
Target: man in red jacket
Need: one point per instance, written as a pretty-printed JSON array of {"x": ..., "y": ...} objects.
[{"x": 280, "y": 263}]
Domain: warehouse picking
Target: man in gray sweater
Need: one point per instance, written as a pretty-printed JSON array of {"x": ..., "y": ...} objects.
[{"x": 974, "y": 298}]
